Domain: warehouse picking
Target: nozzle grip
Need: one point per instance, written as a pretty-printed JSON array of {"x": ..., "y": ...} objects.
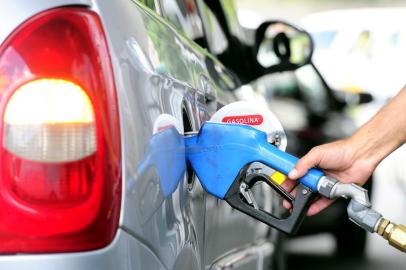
[
  {"x": 290, "y": 225},
  {"x": 284, "y": 163}
]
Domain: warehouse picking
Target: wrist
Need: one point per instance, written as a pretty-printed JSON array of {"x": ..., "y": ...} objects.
[
  {"x": 385, "y": 132},
  {"x": 369, "y": 148}
]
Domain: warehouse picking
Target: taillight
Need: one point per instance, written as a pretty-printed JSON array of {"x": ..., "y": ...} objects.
[{"x": 60, "y": 174}]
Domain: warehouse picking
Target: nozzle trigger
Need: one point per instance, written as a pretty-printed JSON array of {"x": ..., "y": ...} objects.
[{"x": 240, "y": 197}]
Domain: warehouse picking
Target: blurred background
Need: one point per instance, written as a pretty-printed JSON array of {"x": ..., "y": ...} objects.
[{"x": 360, "y": 48}]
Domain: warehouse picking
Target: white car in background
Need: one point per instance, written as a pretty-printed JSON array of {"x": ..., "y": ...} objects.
[{"x": 360, "y": 50}]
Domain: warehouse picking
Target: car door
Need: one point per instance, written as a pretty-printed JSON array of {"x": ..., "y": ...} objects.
[{"x": 158, "y": 74}]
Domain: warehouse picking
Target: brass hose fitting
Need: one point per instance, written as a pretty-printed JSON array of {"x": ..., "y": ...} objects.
[{"x": 394, "y": 233}]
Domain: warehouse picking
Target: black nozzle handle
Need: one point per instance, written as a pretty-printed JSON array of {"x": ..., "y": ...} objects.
[{"x": 289, "y": 225}]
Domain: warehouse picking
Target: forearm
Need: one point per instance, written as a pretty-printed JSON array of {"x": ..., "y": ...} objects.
[
  {"x": 385, "y": 132},
  {"x": 354, "y": 159}
]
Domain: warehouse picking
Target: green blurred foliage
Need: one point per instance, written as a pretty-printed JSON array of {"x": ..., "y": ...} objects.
[{"x": 340, "y": 2}]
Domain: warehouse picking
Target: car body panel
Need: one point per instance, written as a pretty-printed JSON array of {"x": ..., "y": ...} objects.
[{"x": 125, "y": 252}]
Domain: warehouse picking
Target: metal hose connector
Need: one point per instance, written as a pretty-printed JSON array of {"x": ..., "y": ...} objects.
[
  {"x": 360, "y": 212},
  {"x": 394, "y": 233},
  {"x": 359, "y": 209}
]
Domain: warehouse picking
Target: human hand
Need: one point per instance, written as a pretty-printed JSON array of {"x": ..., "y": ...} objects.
[{"x": 343, "y": 160}]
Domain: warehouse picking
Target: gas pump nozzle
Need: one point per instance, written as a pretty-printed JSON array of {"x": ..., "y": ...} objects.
[{"x": 220, "y": 154}]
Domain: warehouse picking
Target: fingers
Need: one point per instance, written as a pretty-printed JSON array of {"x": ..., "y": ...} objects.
[
  {"x": 310, "y": 160},
  {"x": 318, "y": 205},
  {"x": 315, "y": 208},
  {"x": 290, "y": 186},
  {"x": 287, "y": 204}
]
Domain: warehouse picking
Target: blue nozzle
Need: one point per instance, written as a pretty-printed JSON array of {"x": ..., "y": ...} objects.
[
  {"x": 220, "y": 151},
  {"x": 166, "y": 154}
]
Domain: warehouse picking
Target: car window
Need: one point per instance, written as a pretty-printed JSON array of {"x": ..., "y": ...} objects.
[
  {"x": 323, "y": 39},
  {"x": 183, "y": 14},
  {"x": 232, "y": 19},
  {"x": 394, "y": 39},
  {"x": 303, "y": 85},
  {"x": 362, "y": 44},
  {"x": 215, "y": 37},
  {"x": 313, "y": 90}
]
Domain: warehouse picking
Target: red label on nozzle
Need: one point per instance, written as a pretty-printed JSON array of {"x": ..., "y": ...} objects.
[{"x": 251, "y": 120}]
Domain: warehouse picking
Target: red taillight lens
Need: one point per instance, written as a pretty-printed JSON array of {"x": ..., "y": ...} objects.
[{"x": 60, "y": 178}]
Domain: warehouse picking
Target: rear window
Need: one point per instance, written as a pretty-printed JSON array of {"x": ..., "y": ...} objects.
[
  {"x": 183, "y": 14},
  {"x": 215, "y": 36}
]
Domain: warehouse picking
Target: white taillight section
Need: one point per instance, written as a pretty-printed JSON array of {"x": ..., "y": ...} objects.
[{"x": 50, "y": 120}]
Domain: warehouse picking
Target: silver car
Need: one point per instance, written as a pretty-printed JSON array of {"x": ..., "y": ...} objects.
[{"x": 84, "y": 87}]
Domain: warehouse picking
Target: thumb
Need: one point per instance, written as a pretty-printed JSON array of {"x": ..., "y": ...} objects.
[{"x": 310, "y": 160}]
